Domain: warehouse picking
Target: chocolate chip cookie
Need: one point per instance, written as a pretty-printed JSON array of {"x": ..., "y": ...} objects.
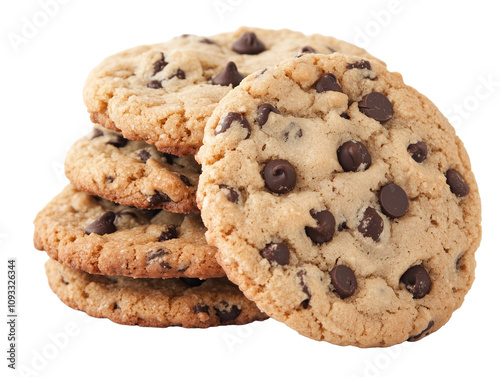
[
  {"x": 341, "y": 200},
  {"x": 132, "y": 173},
  {"x": 153, "y": 302},
  {"x": 164, "y": 93},
  {"x": 95, "y": 235}
]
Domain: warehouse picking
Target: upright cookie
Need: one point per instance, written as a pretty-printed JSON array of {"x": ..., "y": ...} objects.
[
  {"x": 164, "y": 93},
  {"x": 341, "y": 201},
  {"x": 153, "y": 302},
  {"x": 132, "y": 173},
  {"x": 101, "y": 237}
]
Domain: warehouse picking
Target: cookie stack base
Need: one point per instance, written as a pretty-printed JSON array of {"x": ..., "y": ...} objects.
[{"x": 152, "y": 302}]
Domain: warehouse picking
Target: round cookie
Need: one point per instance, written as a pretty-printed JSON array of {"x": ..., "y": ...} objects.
[
  {"x": 132, "y": 173},
  {"x": 101, "y": 237},
  {"x": 341, "y": 201},
  {"x": 153, "y": 302},
  {"x": 164, "y": 93}
]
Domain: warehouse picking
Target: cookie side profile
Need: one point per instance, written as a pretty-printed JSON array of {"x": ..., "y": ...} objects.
[
  {"x": 163, "y": 94},
  {"x": 341, "y": 201},
  {"x": 132, "y": 173},
  {"x": 97, "y": 236},
  {"x": 152, "y": 302}
]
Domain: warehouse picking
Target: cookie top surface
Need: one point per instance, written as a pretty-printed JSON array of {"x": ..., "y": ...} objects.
[
  {"x": 164, "y": 93},
  {"x": 341, "y": 201},
  {"x": 132, "y": 173},
  {"x": 101, "y": 237},
  {"x": 153, "y": 302}
]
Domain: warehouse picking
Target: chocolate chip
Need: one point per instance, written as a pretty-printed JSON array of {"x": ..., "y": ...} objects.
[
  {"x": 393, "y": 200},
  {"x": 362, "y": 64},
  {"x": 144, "y": 155},
  {"x": 180, "y": 74},
  {"x": 343, "y": 280},
  {"x": 327, "y": 82},
  {"x": 200, "y": 308},
  {"x": 169, "y": 233},
  {"x": 118, "y": 141},
  {"x": 425, "y": 332},
  {"x": 64, "y": 280},
  {"x": 249, "y": 44},
  {"x": 293, "y": 131},
  {"x": 325, "y": 227},
  {"x": 169, "y": 157},
  {"x": 158, "y": 198},
  {"x": 279, "y": 176},
  {"x": 418, "y": 151},
  {"x": 116, "y": 306},
  {"x": 342, "y": 226},
  {"x": 96, "y": 132},
  {"x": 109, "y": 179},
  {"x": 417, "y": 281},
  {"x": 308, "y": 50},
  {"x": 305, "y": 288},
  {"x": 331, "y": 49},
  {"x": 155, "y": 84},
  {"x": 377, "y": 106},
  {"x": 231, "y": 194},
  {"x": 263, "y": 113},
  {"x": 457, "y": 183},
  {"x": 457, "y": 262},
  {"x": 228, "y": 76},
  {"x": 159, "y": 65},
  {"x": 192, "y": 282},
  {"x": 276, "y": 252},
  {"x": 229, "y": 119},
  {"x": 371, "y": 225},
  {"x": 165, "y": 265},
  {"x": 155, "y": 254},
  {"x": 345, "y": 116},
  {"x": 207, "y": 41},
  {"x": 353, "y": 156},
  {"x": 104, "y": 224},
  {"x": 227, "y": 315},
  {"x": 185, "y": 180}
]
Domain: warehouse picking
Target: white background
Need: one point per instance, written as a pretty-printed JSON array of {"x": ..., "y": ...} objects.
[{"x": 448, "y": 50}]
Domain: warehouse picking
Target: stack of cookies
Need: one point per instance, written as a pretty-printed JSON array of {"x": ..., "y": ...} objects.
[{"x": 337, "y": 199}]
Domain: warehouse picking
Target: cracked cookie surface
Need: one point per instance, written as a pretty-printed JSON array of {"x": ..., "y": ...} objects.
[
  {"x": 95, "y": 235},
  {"x": 341, "y": 201},
  {"x": 153, "y": 302},
  {"x": 132, "y": 173},
  {"x": 164, "y": 93}
]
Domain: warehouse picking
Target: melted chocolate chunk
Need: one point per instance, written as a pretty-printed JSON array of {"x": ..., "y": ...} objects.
[
  {"x": 362, "y": 64},
  {"x": 159, "y": 65},
  {"x": 200, "y": 308},
  {"x": 155, "y": 254},
  {"x": 327, "y": 82},
  {"x": 417, "y": 281},
  {"x": 169, "y": 233},
  {"x": 371, "y": 225},
  {"x": 231, "y": 118},
  {"x": 263, "y": 113},
  {"x": 226, "y": 315},
  {"x": 424, "y": 333},
  {"x": 343, "y": 280},
  {"x": 353, "y": 156},
  {"x": 231, "y": 194},
  {"x": 377, "y": 106},
  {"x": 457, "y": 183},
  {"x": 158, "y": 198},
  {"x": 104, "y": 224},
  {"x": 228, "y": 76},
  {"x": 276, "y": 252},
  {"x": 249, "y": 44},
  {"x": 279, "y": 176},
  {"x": 118, "y": 141},
  {"x": 418, "y": 151},
  {"x": 155, "y": 84},
  {"x": 325, "y": 227}
]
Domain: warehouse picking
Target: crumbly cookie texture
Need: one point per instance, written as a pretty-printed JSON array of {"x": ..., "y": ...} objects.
[
  {"x": 153, "y": 302},
  {"x": 164, "y": 93},
  {"x": 101, "y": 237},
  {"x": 341, "y": 201},
  {"x": 132, "y": 173}
]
